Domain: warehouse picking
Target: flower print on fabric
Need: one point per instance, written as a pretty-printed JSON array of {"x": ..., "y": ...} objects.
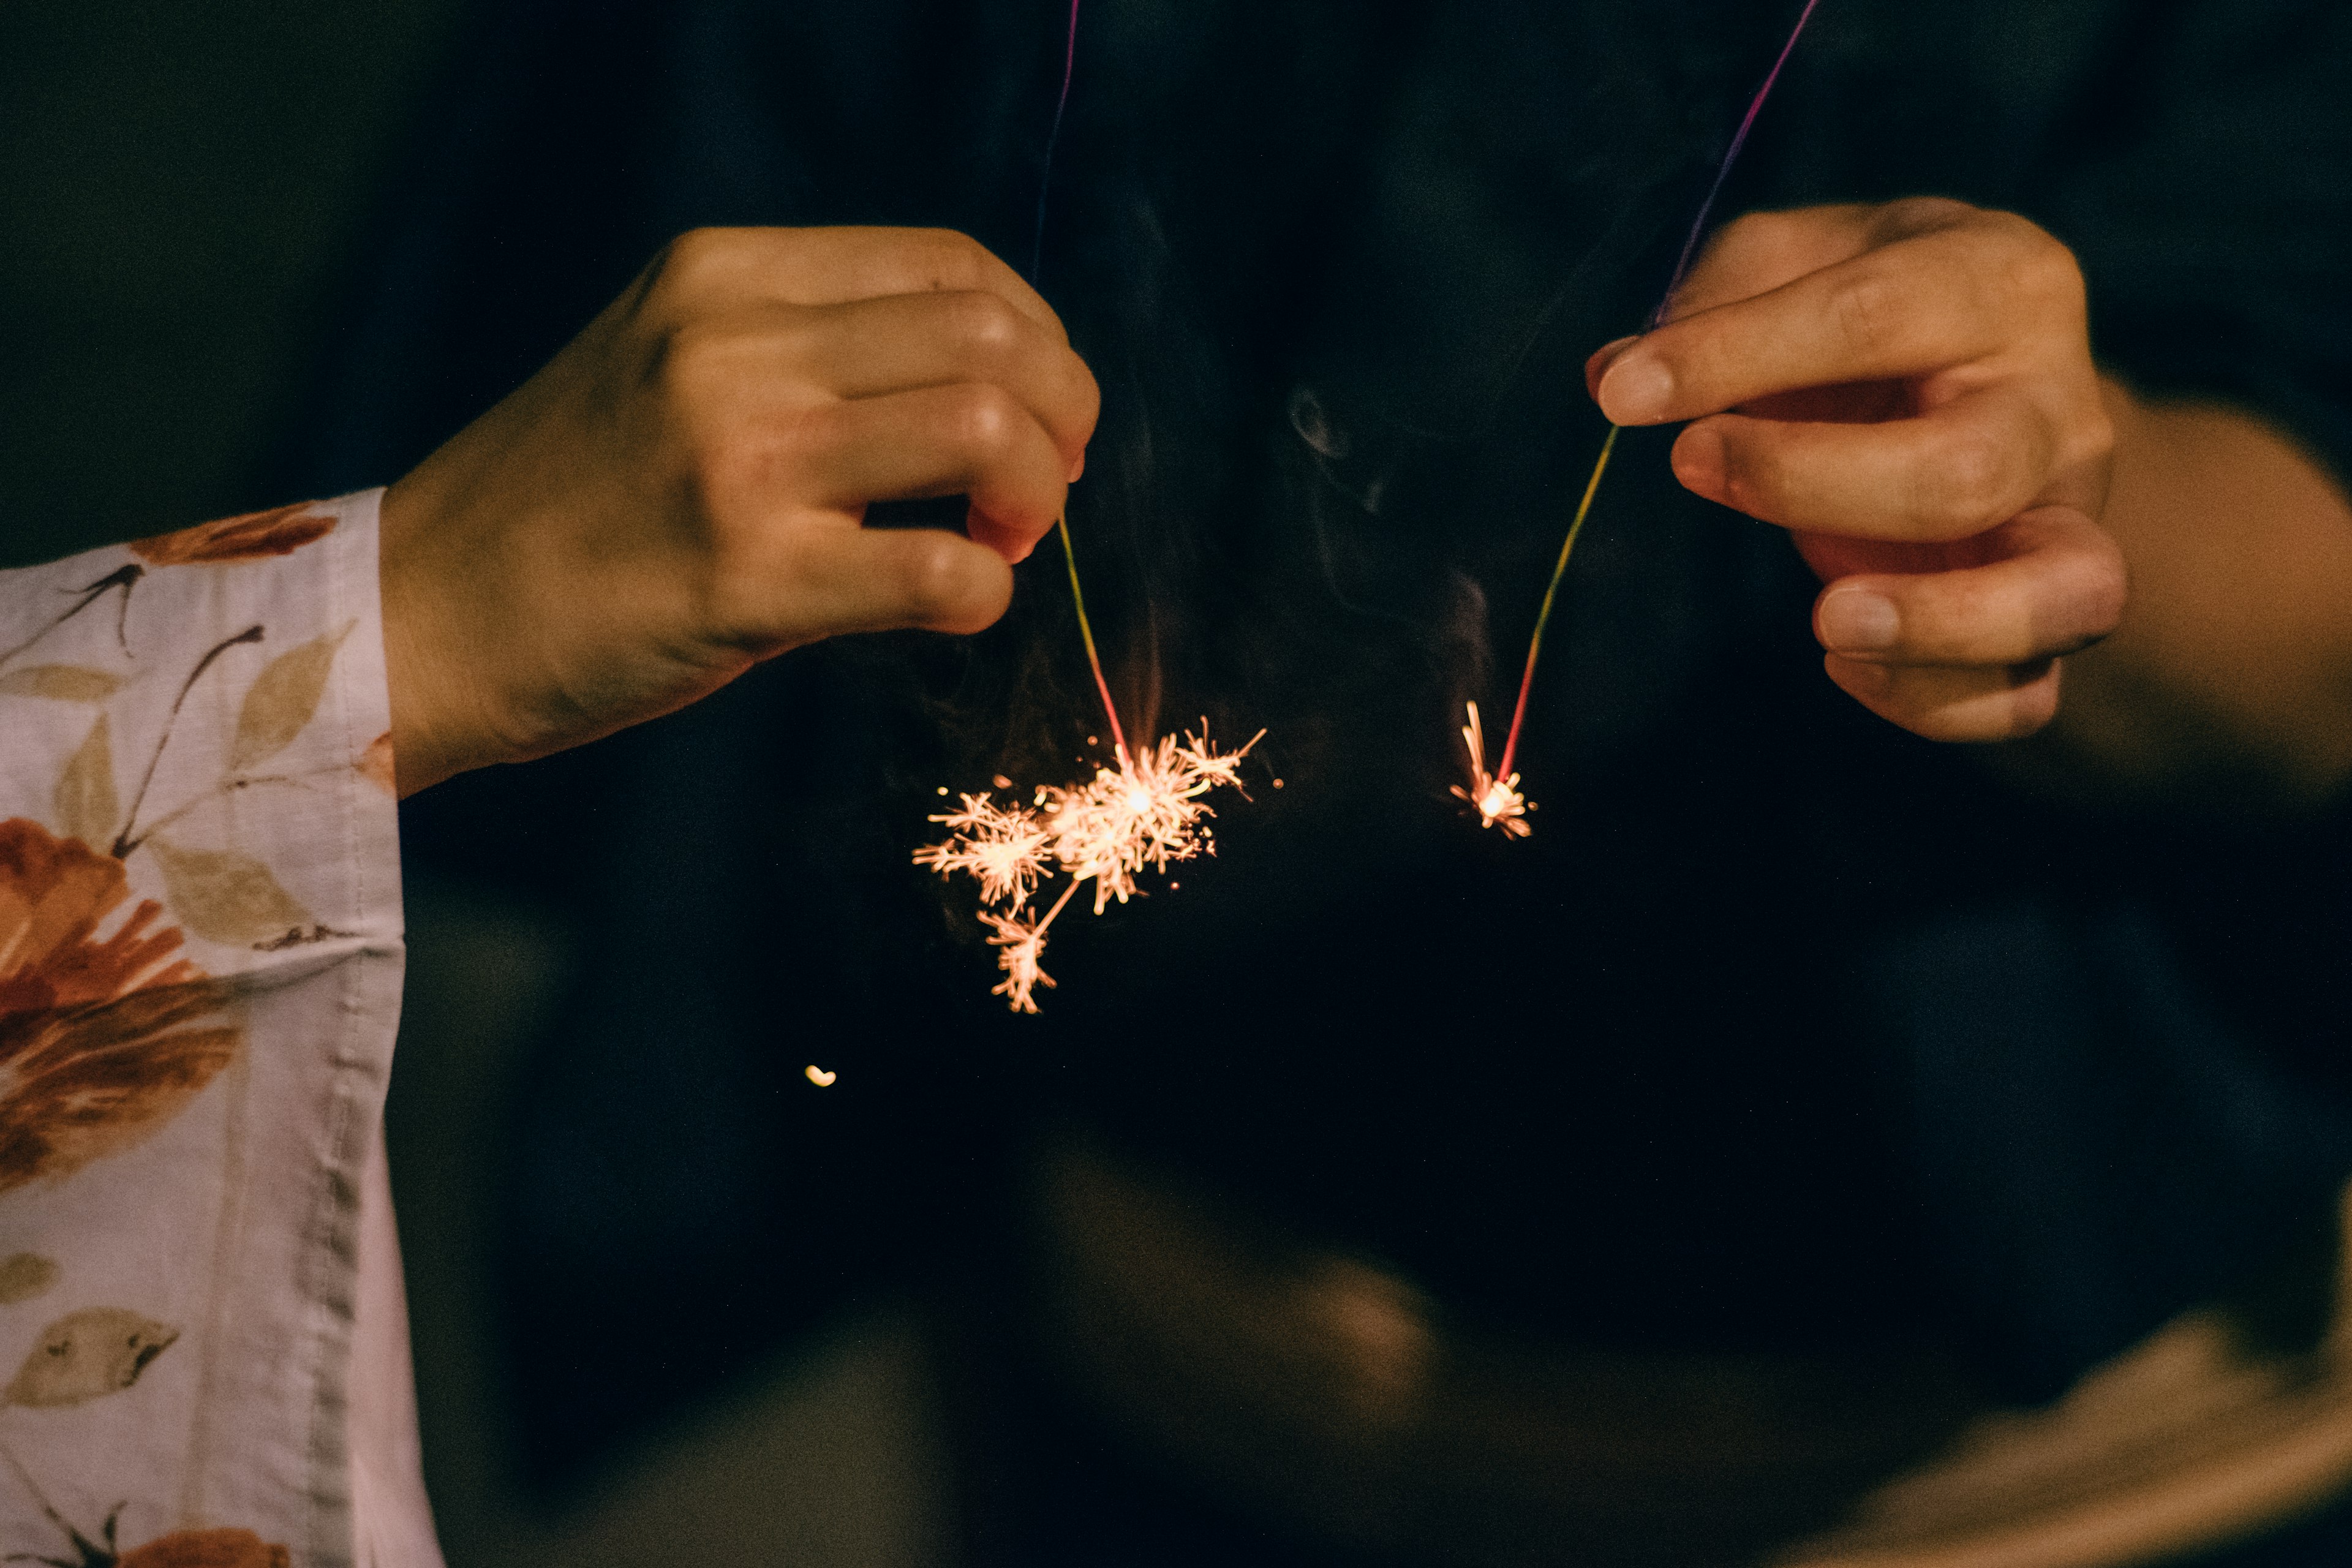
[
  {"x": 247, "y": 538},
  {"x": 181, "y": 1549},
  {"x": 104, "y": 1034},
  {"x": 199, "y": 978}
]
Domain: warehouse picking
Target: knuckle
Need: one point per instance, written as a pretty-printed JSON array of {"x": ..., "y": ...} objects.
[
  {"x": 985, "y": 325},
  {"x": 930, "y": 577},
  {"x": 983, "y": 420},
  {"x": 1088, "y": 394},
  {"x": 1923, "y": 214},
  {"x": 2042, "y": 270},
  {"x": 683, "y": 271},
  {"x": 1966, "y": 485},
  {"x": 688, "y": 368},
  {"x": 1865, "y": 311},
  {"x": 1763, "y": 234},
  {"x": 946, "y": 259}
]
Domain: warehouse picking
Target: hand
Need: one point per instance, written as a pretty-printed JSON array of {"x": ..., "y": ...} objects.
[
  {"x": 1908, "y": 389},
  {"x": 680, "y": 492}
]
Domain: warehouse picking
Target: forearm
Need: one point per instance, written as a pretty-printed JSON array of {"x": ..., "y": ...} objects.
[{"x": 2230, "y": 677}]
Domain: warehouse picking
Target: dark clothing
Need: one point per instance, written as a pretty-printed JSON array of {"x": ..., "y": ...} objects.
[{"x": 1785, "y": 1029}]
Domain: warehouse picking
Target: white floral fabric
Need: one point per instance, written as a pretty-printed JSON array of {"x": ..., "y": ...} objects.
[{"x": 202, "y": 1336}]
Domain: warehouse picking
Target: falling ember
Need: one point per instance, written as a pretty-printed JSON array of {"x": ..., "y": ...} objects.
[{"x": 1497, "y": 800}]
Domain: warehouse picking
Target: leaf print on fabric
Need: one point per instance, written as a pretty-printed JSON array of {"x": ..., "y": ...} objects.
[
  {"x": 60, "y": 683},
  {"x": 282, "y": 699},
  {"x": 247, "y": 538},
  {"x": 123, "y": 577},
  {"x": 88, "y": 1355},
  {"x": 228, "y": 898},
  {"x": 84, "y": 806},
  {"x": 25, "y": 1275},
  {"x": 102, "y": 1041}
]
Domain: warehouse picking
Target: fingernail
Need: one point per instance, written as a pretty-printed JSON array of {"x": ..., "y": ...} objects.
[
  {"x": 1855, "y": 620},
  {"x": 1698, "y": 463},
  {"x": 1601, "y": 358},
  {"x": 1637, "y": 389}
]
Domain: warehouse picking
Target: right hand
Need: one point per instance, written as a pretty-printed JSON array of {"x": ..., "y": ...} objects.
[{"x": 680, "y": 492}]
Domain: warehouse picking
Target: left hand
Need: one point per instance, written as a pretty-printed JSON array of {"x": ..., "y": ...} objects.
[{"x": 1909, "y": 390}]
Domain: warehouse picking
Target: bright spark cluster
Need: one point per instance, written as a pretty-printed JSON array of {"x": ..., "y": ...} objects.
[
  {"x": 1497, "y": 801},
  {"x": 1145, "y": 815}
]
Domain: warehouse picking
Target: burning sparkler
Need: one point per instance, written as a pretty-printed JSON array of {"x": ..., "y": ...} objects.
[
  {"x": 1495, "y": 796},
  {"x": 1497, "y": 800},
  {"x": 1145, "y": 814}
]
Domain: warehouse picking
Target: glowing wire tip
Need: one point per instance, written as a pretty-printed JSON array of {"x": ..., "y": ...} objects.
[{"x": 1497, "y": 801}]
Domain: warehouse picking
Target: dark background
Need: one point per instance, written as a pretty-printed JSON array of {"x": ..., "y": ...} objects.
[{"x": 182, "y": 183}]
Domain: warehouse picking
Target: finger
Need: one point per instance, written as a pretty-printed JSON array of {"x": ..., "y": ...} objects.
[
  {"x": 902, "y": 342},
  {"x": 832, "y": 267},
  {"x": 1760, "y": 252},
  {"x": 1953, "y": 471},
  {"x": 870, "y": 580},
  {"x": 1953, "y": 705},
  {"x": 1923, "y": 303},
  {"x": 971, "y": 439},
  {"x": 2059, "y": 588}
]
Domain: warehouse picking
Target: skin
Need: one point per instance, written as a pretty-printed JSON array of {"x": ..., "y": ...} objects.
[
  {"x": 680, "y": 492},
  {"x": 1907, "y": 388}
]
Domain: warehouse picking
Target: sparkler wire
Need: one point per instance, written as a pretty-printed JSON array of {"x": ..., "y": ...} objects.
[
  {"x": 1086, "y": 632},
  {"x": 1551, "y": 591},
  {"x": 1731, "y": 156},
  {"x": 1657, "y": 317},
  {"x": 1037, "y": 263},
  {"x": 1046, "y": 177}
]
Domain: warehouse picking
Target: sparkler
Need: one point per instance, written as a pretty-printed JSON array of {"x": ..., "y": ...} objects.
[
  {"x": 1144, "y": 815},
  {"x": 1497, "y": 800},
  {"x": 1495, "y": 796}
]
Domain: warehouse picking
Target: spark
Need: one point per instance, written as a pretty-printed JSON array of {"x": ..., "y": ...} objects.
[
  {"x": 1006, "y": 851},
  {"x": 1020, "y": 943},
  {"x": 1147, "y": 813},
  {"x": 1144, "y": 815},
  {"x": 1497, "y": 800}
]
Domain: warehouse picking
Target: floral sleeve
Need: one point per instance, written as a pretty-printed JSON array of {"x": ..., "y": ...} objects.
[{"x": 200, "y": 962}]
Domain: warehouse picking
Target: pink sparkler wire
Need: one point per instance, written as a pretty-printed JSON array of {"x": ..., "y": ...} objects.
[
  {"x": 1062, "y": 523},
  {"x": 1046, "y": 178},
  {"x": 1086, "y": 632},
  {"x": 1723, "y": 170},
  {"x": 1592, "y": 486}
]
